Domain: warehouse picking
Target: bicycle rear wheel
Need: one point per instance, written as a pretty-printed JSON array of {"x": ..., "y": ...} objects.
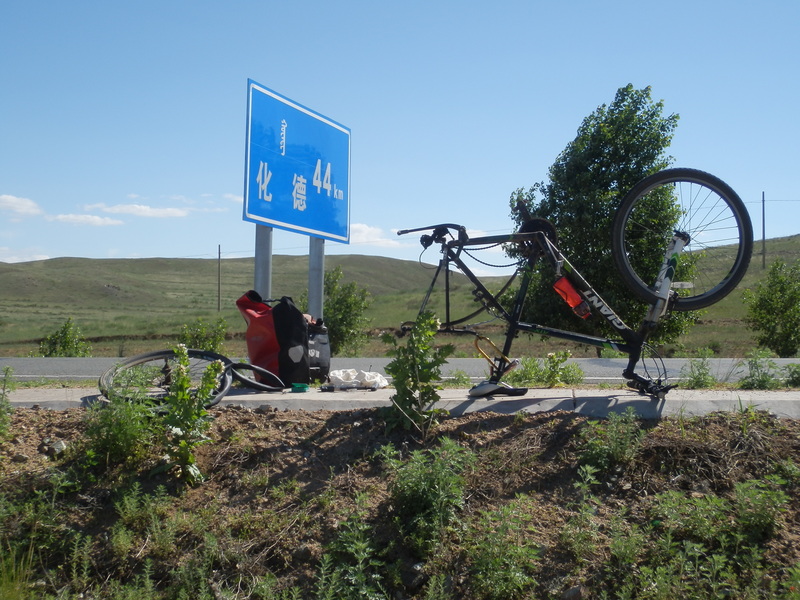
[
  {"x": 147, "y": 377},
  {"x": 692, "y": 202}
]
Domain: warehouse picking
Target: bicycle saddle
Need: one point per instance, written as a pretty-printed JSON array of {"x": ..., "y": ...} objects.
[{"x": 490, "y": 388}]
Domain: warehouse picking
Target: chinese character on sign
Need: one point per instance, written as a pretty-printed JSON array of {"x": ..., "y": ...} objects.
[
  {"x": 264, "y": 175},
  {"x": 299, "y": 192}
]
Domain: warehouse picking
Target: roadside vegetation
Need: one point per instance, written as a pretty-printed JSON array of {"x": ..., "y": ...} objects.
[{"x": 323, "y": 505}]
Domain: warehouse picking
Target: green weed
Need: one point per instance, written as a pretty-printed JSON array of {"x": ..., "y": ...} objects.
[
  {"x": 611, "y": 442},
  {"x": 553, "y": 371},
  {"x": 760, "y": 372},
  {"x": 187, "y": 420},
  {"x": 697, "y": 373},
  {"x": 428, "y": 490},
  {"x": 415, "y": 370},
  {"x": 7, "y": 385},
  {"x": 792, "y": 371},
  {"x": 16, "y": 572},
  {"x": 120, "y": 432},
  {"x": 502, "y": 557},
  {"x": 350, "y": 570},
  {"x": 202, "y": 335},
  {"x": 66, "y": 341}
]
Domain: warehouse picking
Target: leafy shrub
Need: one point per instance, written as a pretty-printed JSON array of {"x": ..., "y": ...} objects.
[
  {"x": 613, "y": 441},
  {"x": 201, "y": 335},
  {"x": 502, "y": 559},
  {"x": 187, "y": 420},
  {"x": 757, "y": 504},
  {"x": 552, "y": 372},
  {"x": 351, "y": 570},
  {"x": 345, "y": 305},
  {"x": 792, "y": 371},
  {"x": 428, "y": 490},
  {"x": 702, "y": 518},
  {"x": 119, "y": 433},
  {"x": 697, "y": 373},
  {"x": 66, "y": 341},
  {"x": 415, "y": 370},
  {"x": 6, "y": 387},
  {"x": 760, "y": 372}
]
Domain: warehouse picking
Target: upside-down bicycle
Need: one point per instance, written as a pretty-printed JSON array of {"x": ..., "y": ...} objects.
[{"x": 681, "y": 240}]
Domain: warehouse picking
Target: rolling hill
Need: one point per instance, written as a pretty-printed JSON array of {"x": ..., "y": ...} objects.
[{"x": 118, "y": 301}]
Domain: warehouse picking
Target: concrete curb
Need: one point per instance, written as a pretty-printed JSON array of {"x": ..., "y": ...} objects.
[{"x": 590, "y": 402}]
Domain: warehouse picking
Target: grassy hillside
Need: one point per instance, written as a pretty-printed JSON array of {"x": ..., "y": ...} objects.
[
  {"x": 124, "y": 302},
  {"x": 126, "y": 306}
]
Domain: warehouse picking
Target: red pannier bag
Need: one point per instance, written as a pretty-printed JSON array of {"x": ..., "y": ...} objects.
[{"x": 263, "y": 348}]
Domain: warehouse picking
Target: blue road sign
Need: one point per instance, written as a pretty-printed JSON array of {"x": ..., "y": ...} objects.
[{"x": 297, "y": 167}]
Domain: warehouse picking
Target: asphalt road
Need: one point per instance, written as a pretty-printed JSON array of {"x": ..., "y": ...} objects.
[{"x": 596, "y": 370}]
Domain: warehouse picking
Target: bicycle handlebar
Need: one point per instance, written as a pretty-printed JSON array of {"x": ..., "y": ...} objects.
[
  {"x": 433, "y": 227},
  {"x": 438, "y": 233}
]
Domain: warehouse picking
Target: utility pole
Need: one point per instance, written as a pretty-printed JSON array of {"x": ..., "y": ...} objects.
[{"x": 763, "y": 232}]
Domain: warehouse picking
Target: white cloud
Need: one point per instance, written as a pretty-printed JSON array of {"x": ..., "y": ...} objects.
[
  {"x": 7, "y": 255},
  {"x": 22, "y": 207},
  {"x": 370, "y": 236},
  {"x": 92, "y": 220},
  {"x": 139, "y": 210}
]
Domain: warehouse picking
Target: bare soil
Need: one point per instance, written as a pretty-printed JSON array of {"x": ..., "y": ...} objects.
[{"x": 280, "y": 484}]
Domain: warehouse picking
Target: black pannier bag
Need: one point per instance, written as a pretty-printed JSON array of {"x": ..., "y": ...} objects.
[{"x": 291, "y": 329}]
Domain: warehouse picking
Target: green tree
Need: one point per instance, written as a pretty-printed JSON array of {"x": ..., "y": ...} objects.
[
  {"x": 345, "y": 305},
  {"x": 615, "y": 147},
  {"x": 773, "y": 309}
]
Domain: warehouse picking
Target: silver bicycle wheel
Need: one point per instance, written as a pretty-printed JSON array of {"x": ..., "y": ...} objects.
[{"x": 147, "y": 377}]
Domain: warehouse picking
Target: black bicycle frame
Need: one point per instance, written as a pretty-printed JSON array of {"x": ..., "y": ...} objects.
[{"x": 537, "y": 245}]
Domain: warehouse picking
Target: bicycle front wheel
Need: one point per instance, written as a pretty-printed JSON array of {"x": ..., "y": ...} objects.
[
  {"x": 147, "y": 377},
  {"x": 691, "y": 202}
]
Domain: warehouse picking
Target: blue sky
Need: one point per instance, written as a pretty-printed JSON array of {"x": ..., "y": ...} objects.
[{"x": 122, "y": 125}]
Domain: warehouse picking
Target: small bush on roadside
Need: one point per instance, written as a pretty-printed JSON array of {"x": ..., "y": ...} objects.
[
  {"x": 428, "y": 490},
  {"x": 553, "y": 371},
  {"x": 416, "y": 370},
  {"x": 502, "y": 558},
  {"x": 119, "y": 433},
  {"x": 201, "y": 335},
  {"x": 186, "y": 421},
  {"x": 6, "y": 387},
  {"x": 67, "y": 341},
  {"x": 792, "y": 371},
  {"x": 611, "y": 442},
  {"x": 697, "y": 373},
  {"x": 760, "y": 372}
]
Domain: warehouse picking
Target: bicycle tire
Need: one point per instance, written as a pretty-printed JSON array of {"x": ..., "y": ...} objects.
[
  {"x": 260, "y": 376},
  {"x": 694, "y": 202},
  {"x": 145, "y": 377}
]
